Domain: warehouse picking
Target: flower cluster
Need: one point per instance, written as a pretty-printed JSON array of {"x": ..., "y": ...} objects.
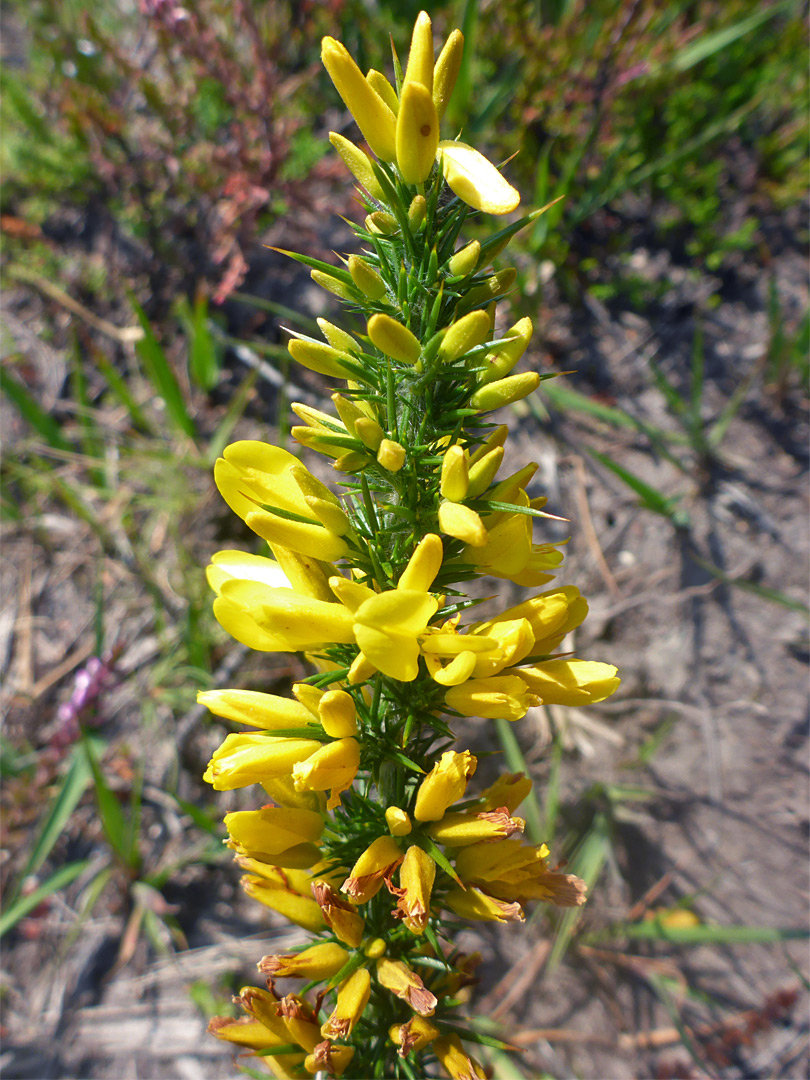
[{"x": 374, "y": 838}]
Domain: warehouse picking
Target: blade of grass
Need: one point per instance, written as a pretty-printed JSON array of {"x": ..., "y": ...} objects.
[
  {"x": 203, "y": 352},
  {"x": 236, "y": 407},
  {"x": 762, "y": 591},
  {"x": 709, "y": 44},
  {"x": 21, "y": 907},
  {"x": 31, "y": 411},
  {"x": 657, "y": 930},
  {"x": 272, "y": 308},
  {"x": 513, "y": 755},
  {"x": 650, "y": 498},
  {"x": 587, "y": 862},
  {"x": 113, "y": 819},
  {"x": 161, "y": 376},
  {"x": 118, "y": 386}
]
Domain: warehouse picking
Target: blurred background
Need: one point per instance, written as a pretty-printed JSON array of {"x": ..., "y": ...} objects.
[{"x": 150, "y": 154}]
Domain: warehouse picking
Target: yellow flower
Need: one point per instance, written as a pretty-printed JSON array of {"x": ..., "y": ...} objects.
[
  {"x": 417, "y": 136},
  {"x": 267, "y": 711},
  {"x": 509, "y": 790},
  {"x": 472, "y": 903},
  {"x": 334, "y": 765},
  {"x": 444, "y": 784},
  {"x": 255, "y": 479},
  {"x": 338, "y": 715},
  {"x": 387, "y": 627},
  {"x": 266, "y": 833},
  {"x": 475, "y": 180},
  {"x": 570, "y": 682},
  {"x": 279, "y": 620},
  {"x": 302, "y": 1022},
  {"x": 359, "y": 165},
  {"x": 396, "y": 976},
  {"x": 352, "y": 998},
  {"x": 246, "y": 758},
  {"x": 280, "y": 890},
  {"x": 499, "y": 697},
  {"x": 320, "y": 961},
  {"x": 414, "y": 1035},
  {"x": 340, "y": 916},
  {"x": 455, "y": 1061},
  {"x": 512, "y": 871},
  {"x": 329, "y": 1058},
  {"x": 376, "y": 864},
  {"x": 462, "y": 829},
  {"x": 416, "y": 876}
]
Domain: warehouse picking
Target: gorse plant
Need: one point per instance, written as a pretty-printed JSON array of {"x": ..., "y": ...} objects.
[{"x": 373, "y": 840}]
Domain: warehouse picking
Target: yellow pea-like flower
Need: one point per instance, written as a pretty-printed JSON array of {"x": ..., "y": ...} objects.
[
  {"x": 475, "y": 180},
  {"x": 340, "y": 916},
  {"x": 352, "y": 997},
  {"x": 461, "y": 829},
  {"x": 417, "y": 1033},
  {"x": 570, "y": 681},
  {"x": 423, "y": 565},
  {"x": 244, "y": 759},
  {"x": 377, "y": 863},
  {"x": 462, "y": 522},
  {"x": 329, "y": 1058},
  {"x": 320, "y": 961},
  {"x": 338, "y": 714},
  {"x": 386, "y": 627},
  {"x": 455, "y": 1060},
  {"x": 374, "y": 118},
  {"x": 300, "y": 910},
  {"x": 267, "y": 711},
  {"x": 396, "y": 976},
  {"x": 444, "y": 784},
  {"x": 334, "y": 765},
  {"x": 279, "y": 620},
  {"x": 503, "y": 697},
  {"x": 416, "y": 876},
  {"x": 273, "y": 829},
  {"x": 472, "y": 903}
]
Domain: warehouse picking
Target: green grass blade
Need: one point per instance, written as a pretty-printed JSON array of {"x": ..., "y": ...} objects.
[
  {"x": 113, "y": 819},
  {"x": 709, "y": 44},
  {"x": 21, "y": 907},
  {"x": 588, "y": 861},
  {"x": 763, "y": 591},
  {"x": 657, "y": 930},
  {"x": 73, "y": 786},
  {"x": 649, "y": 496},
  {"x": 513, "y": 755},
  {"x": 118, "y": 386},
  {"x": 161, "y": 375},
  {"x": 204, "y": 353},
  {"x": 272, "y": 308},
  {"x": 31, "y": 411}
]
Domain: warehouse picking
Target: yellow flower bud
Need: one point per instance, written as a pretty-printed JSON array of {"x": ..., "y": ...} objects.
[
  {"x": 510, "y": 349},
  {"x": 500, "y": 697},
  {"x": 373, "y": 116},
  {"x": 420, "y": 58},
  {"x": 475, "y": 180},
  {"x": 396, "y": 976},
  {"x": 464, "y": 523},
  {"x": 464, "y": 334},
  {"x": 484, "y": 470},
  {"x": 377, "y": 81},
  {"x": 444, "y": 784},
  {"x": 381, "y": 223},
  {"x": 417, "y": 133},
  {"x": 320, "y": 961},
  {"x": 257, "y": 709},
  {"x": 338, "y": 338},
  {"x": 446, "y": 69},
  {"x": 391, "y": 455},
  {"x": 455, "y": 479},
  {"x": 370, "y": 433},
  {"x": 416, "y": 212},
  {"x": 377, "y": 863},
  {"x": 319, "y": 357},
  {"x": 494, "y": 287},
  {"x": 352, "y": 998},
  {"x": 350, "y": 462},
  {"x": 333, "y": 517},
  {"x": 366, "y": 278},
  {"x": 361, "y": 670},
  {"x": 398, "y": 822},
  {"x": 423, "y": 565},
  {"x": 358, "y": 164},
  {"x": 570, "y": 682},
  {"x": 504, "y": 391},
  {"x": 497, "y": 437},
  {"x": 333, "y": 285},
  {"x": 465, "y": 260},
  {"x": 394, "y": 339},
  {"x": 375, "y": 949},
  {"x": 338, "y": 714}
]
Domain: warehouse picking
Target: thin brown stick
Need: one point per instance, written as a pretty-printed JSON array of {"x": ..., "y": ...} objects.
[{"x": 581, "y": 497}]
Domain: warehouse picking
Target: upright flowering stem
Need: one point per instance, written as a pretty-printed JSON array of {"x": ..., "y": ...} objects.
[{"x": 374, "y": 839}]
